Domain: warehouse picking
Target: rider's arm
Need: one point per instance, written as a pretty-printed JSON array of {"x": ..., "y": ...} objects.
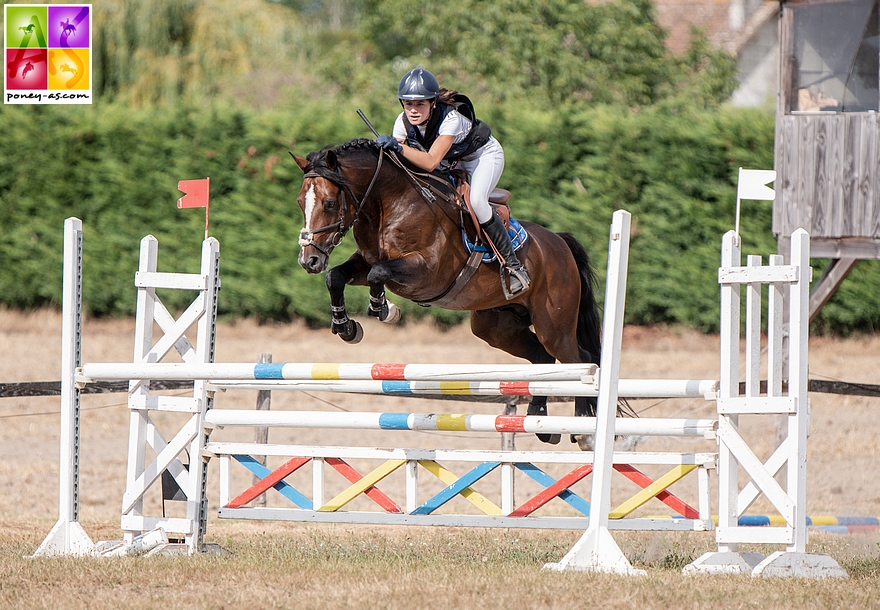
[{"x": 429, "y": 161}]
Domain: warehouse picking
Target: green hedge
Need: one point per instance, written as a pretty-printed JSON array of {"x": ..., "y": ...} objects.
[{"x": 117, "y": 169}]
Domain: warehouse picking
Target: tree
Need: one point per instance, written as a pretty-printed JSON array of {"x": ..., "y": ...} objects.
[{"x": 554, "y": 51}]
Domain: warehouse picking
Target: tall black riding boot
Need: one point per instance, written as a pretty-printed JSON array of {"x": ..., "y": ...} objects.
[{"x": 519, "y": 277}]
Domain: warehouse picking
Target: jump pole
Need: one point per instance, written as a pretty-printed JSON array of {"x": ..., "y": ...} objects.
[
  {"x": 628, "y": 388},
  {"x": 461, "y": 422},
  {"x": 212, "y": 371}
]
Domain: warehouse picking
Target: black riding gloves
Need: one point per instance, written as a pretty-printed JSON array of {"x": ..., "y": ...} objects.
[{"x": 389, "y": 143}]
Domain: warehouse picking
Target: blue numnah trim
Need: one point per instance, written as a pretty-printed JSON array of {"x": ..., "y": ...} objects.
[{"x": 518, "y": 237}]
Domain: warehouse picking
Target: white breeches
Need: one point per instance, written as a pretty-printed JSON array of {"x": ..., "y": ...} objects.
[{"x": 484, "y": 167}]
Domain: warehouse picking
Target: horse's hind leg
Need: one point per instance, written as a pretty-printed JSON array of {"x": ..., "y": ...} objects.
[
  {"x": 558, "y": 334},
  {"x": 508, "y": 329}
]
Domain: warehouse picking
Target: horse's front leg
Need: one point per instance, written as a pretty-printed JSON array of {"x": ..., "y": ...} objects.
[
  {"x": 401, "y": 271},
  {"x": 380, "y": 307},
  {"x": 352, "y": 271}
]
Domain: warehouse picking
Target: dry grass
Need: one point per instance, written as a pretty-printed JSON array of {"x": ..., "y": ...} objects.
[
  {"x": 276, "y": 565},
  {"x": 271, "y": 565}
]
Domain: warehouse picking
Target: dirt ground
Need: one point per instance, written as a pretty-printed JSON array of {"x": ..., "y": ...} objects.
[{"x": 843, "y": 447}]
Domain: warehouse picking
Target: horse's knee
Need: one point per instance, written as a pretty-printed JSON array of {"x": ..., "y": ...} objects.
[
  {"x": 335, "y": 280},
  {"x": 380, "y": 274}
]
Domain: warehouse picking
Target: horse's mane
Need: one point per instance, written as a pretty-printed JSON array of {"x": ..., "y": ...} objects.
[
  {"x": 318, "y": 163},
  {"x": 318, "y": 159},
  {"x": 356, "y": 144}
]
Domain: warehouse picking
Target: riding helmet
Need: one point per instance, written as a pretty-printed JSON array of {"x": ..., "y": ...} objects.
[{"x": 418, "y": 84}]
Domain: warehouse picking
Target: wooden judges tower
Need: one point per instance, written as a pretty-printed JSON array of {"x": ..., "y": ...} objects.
[{"x": 827, "y": 153}]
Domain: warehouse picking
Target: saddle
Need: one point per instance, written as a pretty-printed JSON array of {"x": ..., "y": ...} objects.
[{"x": 499, "y": 199}]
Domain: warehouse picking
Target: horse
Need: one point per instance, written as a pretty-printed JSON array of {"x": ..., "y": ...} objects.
[
  {"x": 407, "y": 228},
  {"x": 67, "y": 28}
]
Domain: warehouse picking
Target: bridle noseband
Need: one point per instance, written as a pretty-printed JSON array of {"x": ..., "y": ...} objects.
[{"x": 306, "y": 237}]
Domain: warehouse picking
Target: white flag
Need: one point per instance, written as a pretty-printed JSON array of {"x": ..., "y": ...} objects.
[{"x": 753, "y": 184}]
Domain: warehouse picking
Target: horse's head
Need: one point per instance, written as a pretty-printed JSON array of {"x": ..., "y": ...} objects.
[{"x": 322, "y": 199}]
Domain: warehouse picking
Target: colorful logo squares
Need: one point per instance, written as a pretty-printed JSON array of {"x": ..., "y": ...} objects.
[{"x": 47, "y": 54}]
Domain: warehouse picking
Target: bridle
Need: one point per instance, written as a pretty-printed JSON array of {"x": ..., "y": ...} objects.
[{"x": 306, "y": 237}]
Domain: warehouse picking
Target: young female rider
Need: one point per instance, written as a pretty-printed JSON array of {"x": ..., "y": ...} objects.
[{"x": 431, "y": 133}]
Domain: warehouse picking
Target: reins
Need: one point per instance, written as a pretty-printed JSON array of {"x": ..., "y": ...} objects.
[{"x": 426, "y": 189}]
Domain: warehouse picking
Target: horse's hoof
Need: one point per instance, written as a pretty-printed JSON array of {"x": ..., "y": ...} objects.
[
  {"x": 628, "y": 443},
  {"x": 584, "y": 441},
  {"x": 587, "y": 442},
  {"x": 392, "y": 314},
  {"x": 357, "y": 335},
  {"x": 350, "y": 332},
  {"x": 552, "y": 439}
]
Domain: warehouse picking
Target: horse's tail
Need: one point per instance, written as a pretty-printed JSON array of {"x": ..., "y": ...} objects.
[{"x": 588, "y": 325}]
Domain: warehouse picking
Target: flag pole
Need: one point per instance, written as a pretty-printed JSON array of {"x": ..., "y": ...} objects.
[
  {"x": 208, "y": 204},
  {"x": 738, "y": 180}
]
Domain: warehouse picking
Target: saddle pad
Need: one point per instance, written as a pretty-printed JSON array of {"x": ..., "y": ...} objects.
[{"x": 518, "y": 237}]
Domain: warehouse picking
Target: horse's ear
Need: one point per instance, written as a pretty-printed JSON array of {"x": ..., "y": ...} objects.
[
  {"x": 332, "y": 163},
  {"x": 303, "y": 164}
]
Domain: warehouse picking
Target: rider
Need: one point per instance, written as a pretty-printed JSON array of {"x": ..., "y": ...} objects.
[{"x": 431, "y": 133}]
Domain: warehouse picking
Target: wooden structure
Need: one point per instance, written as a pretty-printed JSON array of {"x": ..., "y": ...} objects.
[{"x": 828, "y": 134}]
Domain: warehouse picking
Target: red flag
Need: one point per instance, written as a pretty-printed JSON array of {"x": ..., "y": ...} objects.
[{"x": 196, "y": 193}]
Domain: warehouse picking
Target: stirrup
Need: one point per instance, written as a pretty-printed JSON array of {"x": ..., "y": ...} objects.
[{"x": 521, "y": 275}]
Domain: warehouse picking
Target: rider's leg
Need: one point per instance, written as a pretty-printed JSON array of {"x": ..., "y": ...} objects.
[
  {"x": 485, "y": 170},
  {"x": 497, "y": 232}
]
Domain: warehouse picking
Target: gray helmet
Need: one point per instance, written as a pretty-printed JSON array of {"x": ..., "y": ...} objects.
[{"x": 418, "y": 84}]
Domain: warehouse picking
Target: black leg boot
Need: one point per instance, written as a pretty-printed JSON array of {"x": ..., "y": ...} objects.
[{"x": 519, "y": 278}]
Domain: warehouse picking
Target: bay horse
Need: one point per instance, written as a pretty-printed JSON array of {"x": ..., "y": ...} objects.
[{"x": 414, "y": 247}]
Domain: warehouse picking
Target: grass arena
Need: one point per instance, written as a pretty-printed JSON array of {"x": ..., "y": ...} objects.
[{"x": 682, "y": 547}]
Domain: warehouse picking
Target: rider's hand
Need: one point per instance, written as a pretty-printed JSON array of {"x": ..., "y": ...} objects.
[{"x": 389, "y": 143}]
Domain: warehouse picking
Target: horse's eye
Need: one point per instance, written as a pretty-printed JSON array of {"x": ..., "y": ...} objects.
[{"x": 329, "y": 204}]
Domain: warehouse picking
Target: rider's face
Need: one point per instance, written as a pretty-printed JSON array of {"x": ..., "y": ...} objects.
[{"x": 417, "y": 111}]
